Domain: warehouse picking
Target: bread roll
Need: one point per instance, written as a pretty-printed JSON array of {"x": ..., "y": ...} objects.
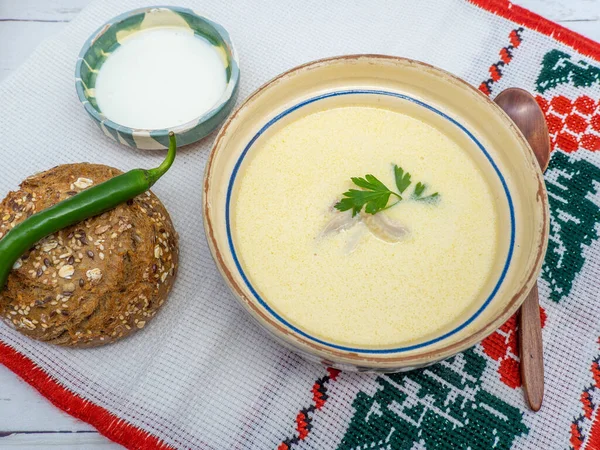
[{"x": 95, "y": 282}]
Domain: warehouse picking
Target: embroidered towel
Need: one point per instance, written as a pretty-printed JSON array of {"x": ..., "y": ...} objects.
[{"x": 203, "y": 376}]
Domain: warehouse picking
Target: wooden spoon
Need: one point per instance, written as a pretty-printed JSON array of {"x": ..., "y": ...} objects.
[{"x": 524, "y": 111}]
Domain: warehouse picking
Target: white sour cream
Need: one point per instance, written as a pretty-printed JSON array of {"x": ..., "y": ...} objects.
[{"x": 160, "y": 78}]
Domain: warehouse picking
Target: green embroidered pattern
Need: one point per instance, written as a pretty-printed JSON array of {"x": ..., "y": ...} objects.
[
  {"x": 573, "y": 218},
  {"x": 559, "y": 68},
  {"x": 439, "y": 407}
]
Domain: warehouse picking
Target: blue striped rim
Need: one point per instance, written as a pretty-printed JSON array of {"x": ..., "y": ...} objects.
[{"x": 341, "y": 347}]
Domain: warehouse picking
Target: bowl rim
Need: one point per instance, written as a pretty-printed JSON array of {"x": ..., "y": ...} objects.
[
  {"x": 356, "y": 356},
  {"x": 228, "y": 93}
]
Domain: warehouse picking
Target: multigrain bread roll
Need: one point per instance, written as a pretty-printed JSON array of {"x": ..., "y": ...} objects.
[{"x": 95, "y": 282}]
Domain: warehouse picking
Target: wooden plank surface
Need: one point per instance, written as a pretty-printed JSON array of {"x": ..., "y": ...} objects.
[
  {"x": 41, "y": 10},
  {"x": 564, "y": 10},
  {"x": 16, "y": 397},
  {"x": 27, "y": 420},
  {"x": 64, "y": 440}
]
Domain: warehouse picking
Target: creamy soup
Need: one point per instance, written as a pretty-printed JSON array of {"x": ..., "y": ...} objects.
[
  {"x": 160, "y": 78},
  {"x": 399, "y": 276}
]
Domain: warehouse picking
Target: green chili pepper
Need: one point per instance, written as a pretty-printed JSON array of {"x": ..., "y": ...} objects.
[{"x": 86, "y": 204}]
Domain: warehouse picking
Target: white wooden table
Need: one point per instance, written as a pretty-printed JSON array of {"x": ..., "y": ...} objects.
[{"x": 27, "y": 420}]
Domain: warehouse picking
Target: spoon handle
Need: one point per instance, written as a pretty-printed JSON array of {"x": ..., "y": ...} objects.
[
  {"x": 531, "y": 350},
  {"x": 522, "y": 108}
]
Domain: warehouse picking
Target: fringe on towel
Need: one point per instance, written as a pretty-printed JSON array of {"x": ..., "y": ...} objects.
[
  {"x": 522, "y": 16},
  {"x": 111, "y": 426}
]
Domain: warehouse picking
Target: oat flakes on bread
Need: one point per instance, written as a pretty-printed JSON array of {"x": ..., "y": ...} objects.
[{"x": 95, "y": 282}]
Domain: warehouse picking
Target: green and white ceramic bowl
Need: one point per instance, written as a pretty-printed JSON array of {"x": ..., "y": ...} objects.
[{"x": 108, "y": 38}]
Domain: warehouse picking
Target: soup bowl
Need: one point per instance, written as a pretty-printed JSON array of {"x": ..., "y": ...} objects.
[{"x": 433, "y": 96}]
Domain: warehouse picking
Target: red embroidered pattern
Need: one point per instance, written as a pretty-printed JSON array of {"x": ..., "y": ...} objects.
[
  {"x": 506, "y": 55},
  {"x": 502, "y": 346},
  {"x": 522, "y": 16},
  {"x": 304, "y": 417},
  {"x": 585, "y": 429},
  {"x": 572, "y": 123}
]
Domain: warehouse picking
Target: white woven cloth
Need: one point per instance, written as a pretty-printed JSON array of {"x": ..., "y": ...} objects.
[{"x": 202, "y": 375}]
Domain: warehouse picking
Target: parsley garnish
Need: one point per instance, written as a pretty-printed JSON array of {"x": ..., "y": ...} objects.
[
  {"x": 418, "y": 193},
  {"x": 402, "y": 179},
  {"x": 375, "y": 195}
]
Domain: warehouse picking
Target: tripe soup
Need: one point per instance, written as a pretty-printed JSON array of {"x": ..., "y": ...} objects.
[{"x": 403, "y": 275}]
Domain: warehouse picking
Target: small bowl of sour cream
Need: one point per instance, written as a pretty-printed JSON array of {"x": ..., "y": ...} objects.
[{"x": 154, "y": 70}]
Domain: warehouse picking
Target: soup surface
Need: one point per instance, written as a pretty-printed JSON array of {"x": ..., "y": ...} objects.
[{"x": 402, "y": 275}]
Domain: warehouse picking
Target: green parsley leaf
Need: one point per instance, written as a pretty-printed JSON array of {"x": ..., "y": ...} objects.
[
  {"x": 370, "y": 183},
  {"x": 419, "y": 188},
  {"x": 402, "y": 179},
  {"x": 418, "y": 193},
  {"x": 373, "y": 198},
  {"x": 375, "y": 195}
]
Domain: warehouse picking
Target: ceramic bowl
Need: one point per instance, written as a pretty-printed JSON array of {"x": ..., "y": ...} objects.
[
  {"x": 462, "y": 112},
  {"x": 107, "y": 39}
]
